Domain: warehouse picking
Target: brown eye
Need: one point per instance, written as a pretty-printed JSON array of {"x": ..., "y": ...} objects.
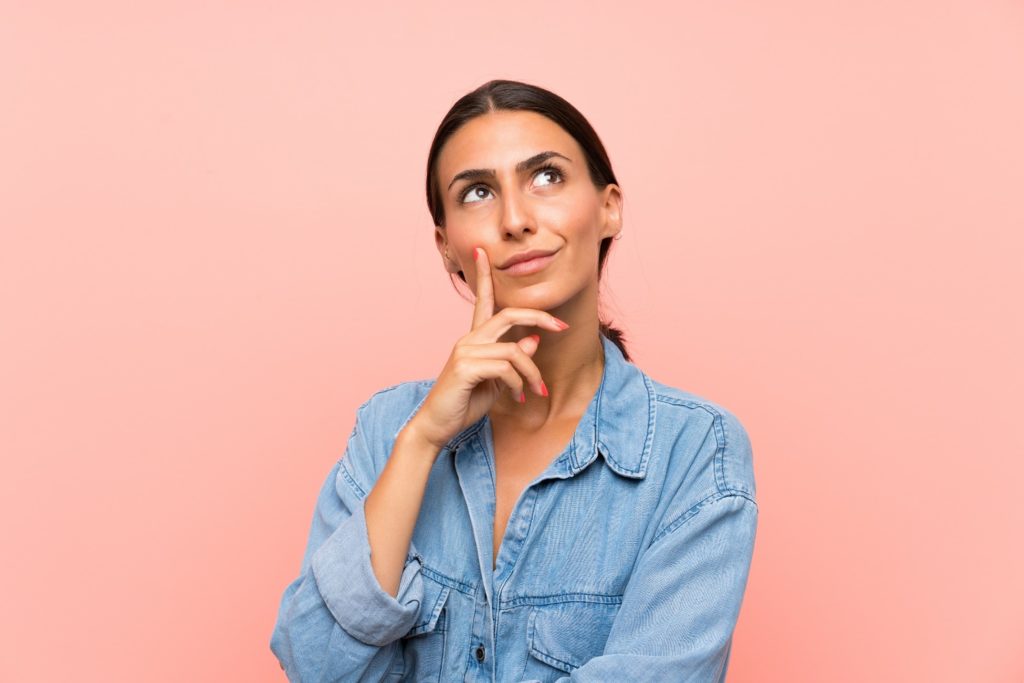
[
  {"x": 471, "y": 190},
  {"x": 552, "y": 170}
]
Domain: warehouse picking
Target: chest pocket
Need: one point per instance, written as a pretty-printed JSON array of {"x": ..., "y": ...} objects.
[
  {"x": 422, "y": 648},
  {"x": 563, "y": 637}
]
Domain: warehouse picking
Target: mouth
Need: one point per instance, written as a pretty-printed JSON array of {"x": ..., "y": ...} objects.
[{"x": 530, "y": 266}]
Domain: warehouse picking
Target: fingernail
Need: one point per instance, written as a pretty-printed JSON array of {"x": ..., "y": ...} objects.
[
  {"x": 561, "y": 323},
  {"x": 543, "y": 388},
  {"x": 536, "y": 337},
  {"x": 522, "y": 397},
  {"x": 474, "y": 253}
]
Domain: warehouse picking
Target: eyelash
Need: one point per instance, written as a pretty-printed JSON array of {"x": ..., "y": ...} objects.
[{"x": 546, "y": 167}]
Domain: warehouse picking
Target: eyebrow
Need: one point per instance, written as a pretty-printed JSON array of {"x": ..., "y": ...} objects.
[{"x": 489, "y": 173}]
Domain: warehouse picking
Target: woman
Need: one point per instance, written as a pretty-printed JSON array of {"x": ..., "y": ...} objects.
[{"x": 542, "y": 510}]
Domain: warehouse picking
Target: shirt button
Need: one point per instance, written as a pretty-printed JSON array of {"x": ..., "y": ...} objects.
[{"x": 479, "y": 653}]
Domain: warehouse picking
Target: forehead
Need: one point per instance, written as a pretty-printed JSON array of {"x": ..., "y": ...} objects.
[{"x": 500, "y": 140}]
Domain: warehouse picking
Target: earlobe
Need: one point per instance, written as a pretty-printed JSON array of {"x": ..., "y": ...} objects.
[
  {"x": 450, "y": 264},
  {"x": 613, "y": 224}
]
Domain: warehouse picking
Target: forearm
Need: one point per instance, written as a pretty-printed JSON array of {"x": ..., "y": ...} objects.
[{"x": 393, "y": 505}]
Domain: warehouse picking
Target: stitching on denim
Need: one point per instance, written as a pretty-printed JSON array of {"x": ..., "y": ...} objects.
[
  {"x": 535, "y": 648},
  {"x": 718, "y": 425},
  {"x": 433, "y": 574},
  {"x": 549, "y": 659},
  {"x": 347, "y": 474},
  {"x": 559, "y": 598},
  {"x": 349, "y": 479},
  {"x": 515, "y": 557},
  {"x": 573, "y": 462},
  {"x": 531, "y": 620},
  {"x": 692, "y": 512},
  {"x": 648, "y": 437},
  {"x": 470, "y": 432},
  {"x": 664, "y": 398},
  {"x": 436, "y": 610}
]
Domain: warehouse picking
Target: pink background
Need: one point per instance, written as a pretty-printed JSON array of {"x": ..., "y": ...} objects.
[{"x": 215, "y": 246}]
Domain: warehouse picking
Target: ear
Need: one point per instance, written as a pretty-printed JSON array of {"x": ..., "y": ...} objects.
[
  {"x": 441, "y": 240},
  {"x": 611, "y": 210}
]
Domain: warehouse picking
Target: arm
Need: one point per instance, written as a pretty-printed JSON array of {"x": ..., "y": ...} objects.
[
  {"x": 393, "y": 506},
  {"x": 336, "y": 622}
]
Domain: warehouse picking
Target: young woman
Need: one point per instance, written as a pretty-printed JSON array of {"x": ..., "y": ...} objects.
[{"x": 543, "y": 510}]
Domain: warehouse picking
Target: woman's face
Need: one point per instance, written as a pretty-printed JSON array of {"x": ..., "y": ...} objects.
[{"x": 549, "y": 203}]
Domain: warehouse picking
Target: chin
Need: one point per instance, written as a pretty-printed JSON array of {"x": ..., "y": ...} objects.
[{"x": 540, "y": 295}]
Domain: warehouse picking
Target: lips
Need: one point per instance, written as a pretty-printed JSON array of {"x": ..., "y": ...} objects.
[
  {"x": 526, "y": 256},
  {"x": 530, "y": 266}
]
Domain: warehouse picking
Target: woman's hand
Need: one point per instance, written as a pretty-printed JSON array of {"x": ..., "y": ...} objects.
[{"x": 478, "y": 366}]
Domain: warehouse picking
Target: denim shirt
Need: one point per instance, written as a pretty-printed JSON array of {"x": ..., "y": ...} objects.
[{"x": 625, "y": 560}]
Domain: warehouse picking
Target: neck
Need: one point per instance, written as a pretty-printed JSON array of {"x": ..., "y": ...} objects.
[{"x": 571, "y": 364}]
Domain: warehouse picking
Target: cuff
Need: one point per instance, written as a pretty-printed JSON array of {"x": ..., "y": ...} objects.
[{"x": 349, "y": 587}]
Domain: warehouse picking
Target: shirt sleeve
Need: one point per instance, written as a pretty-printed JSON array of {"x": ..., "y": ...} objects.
[
  {"x": 335, "y": 621},
  {"x": 682, "y": 601}
]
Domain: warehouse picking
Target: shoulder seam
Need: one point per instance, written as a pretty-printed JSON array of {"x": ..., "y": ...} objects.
[
  {"x": 683, "y": 518},
  {"x": 700, "y": 405},
  {"x": 718, "y": 425}
]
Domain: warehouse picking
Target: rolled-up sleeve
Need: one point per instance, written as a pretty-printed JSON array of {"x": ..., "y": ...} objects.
[
  {"x": 335, "y": 621},
  {"x": 683, "y": 600}
]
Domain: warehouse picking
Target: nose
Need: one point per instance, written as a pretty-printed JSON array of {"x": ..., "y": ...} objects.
[{"x": 515, "y": 215}]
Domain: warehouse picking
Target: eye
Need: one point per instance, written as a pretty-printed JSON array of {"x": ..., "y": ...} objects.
[
  {"x": 551, "y": 168},
  {"x": 472, "y": 190}
]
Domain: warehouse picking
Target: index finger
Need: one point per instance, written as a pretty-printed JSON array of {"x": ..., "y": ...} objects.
[{"x": 483, "y": 310}]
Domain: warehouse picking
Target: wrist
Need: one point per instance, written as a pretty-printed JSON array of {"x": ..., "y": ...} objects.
[{"x": 412, "y": 439}]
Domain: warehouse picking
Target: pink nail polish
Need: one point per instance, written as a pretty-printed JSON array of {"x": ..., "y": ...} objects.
[
  {"x": 522, "y": 397},
  {"x": 474, "y": 253},
  {"x": 543, "y": 388}
]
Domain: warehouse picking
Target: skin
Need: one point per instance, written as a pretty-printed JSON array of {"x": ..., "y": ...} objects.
[{"x": 513, "y": 212}]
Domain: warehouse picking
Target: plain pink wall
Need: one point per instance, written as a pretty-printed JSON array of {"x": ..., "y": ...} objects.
[{"x": 216, "y": 245}]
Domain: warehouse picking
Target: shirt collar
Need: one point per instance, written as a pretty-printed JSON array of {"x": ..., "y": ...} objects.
[{"x": 619, "y": 422}]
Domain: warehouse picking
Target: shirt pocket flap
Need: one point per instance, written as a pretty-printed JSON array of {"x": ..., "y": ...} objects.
[
  {"x": 568, "y": 635},
  {"x": 433, "y": 616}
]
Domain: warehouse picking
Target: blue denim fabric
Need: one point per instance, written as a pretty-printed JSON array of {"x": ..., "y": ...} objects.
[{"x": 625, "y": 560}]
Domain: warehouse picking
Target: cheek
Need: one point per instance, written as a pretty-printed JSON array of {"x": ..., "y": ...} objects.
[
  {"x": 575, "y": 213},
  {"x": 581, "y": 231},
  {"x": 460, "y": 240}
]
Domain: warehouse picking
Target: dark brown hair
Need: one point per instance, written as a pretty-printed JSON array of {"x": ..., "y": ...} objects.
[{"x": 498, "y": 95}]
